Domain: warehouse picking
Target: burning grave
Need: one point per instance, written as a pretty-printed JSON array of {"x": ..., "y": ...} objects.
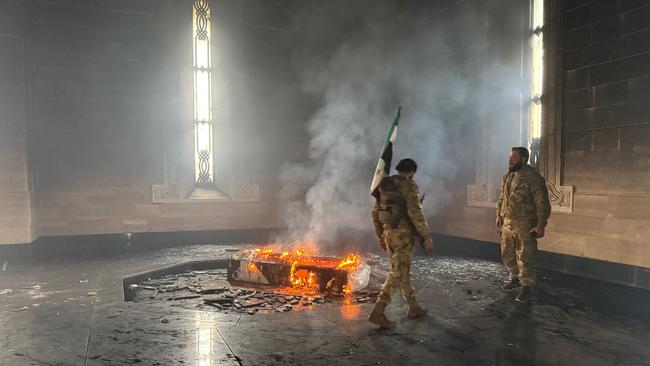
[
  {"x": 299, "y": 269},
  {"x": 257, "y": 280}
]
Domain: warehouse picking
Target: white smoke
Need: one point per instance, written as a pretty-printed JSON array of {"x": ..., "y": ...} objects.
[{"x": 389, "y": 57}]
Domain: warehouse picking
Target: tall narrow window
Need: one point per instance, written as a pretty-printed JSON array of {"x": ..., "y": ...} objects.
[
  {"x": 202, "y": 64},
  {"x": 536, "y": 79}
]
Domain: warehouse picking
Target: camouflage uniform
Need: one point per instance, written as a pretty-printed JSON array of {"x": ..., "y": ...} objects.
[
  {"x": 397, "y": 218},
  {"x": 523, "y": 206}
]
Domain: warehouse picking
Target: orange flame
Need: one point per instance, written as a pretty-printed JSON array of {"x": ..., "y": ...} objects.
[
  {"x": 351, "y": 261},
  {"x": 252, "y": 267},
  {"x": 264, "y": 251},
  {"x": 301, "y": 255}
]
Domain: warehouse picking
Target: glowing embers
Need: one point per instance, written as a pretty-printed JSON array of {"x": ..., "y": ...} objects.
[
  {"x": 302, "y": 278},
  {"x": 299, "y": 269}
]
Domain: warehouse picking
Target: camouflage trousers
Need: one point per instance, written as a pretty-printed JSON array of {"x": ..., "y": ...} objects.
[
  {"x": 518, "y": 251},
  {"x": 400, "y": 247}
]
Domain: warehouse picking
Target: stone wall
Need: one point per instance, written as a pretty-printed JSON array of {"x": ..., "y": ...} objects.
[
  {"x": 15, "y": 196},
  {"x": 109, "y": 90},
  {"x": 605, "y": 112},
  {"x": 606, "y": 131}
]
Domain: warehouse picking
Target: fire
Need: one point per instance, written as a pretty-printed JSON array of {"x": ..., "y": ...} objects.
[
  {"x": 270, "y": 253},
  {"x": 351, "y": 261},
  {"x": 297, "y": 277},
  {"x": 301, "y": 256},
  {"x": 252, "y": 267},
  {"x": 300, "y": 252},
  {"x": 304, "y": 279},
  {"x": 264, "y": 251}
]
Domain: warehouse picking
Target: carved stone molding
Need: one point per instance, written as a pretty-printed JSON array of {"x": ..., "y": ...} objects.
[
  {"x": 482, "y": 195},
  {"x": 170, "y": 189},
  {"x": 239, "y": 192},
  {"x": 477, "y": 193},
  {"x": 484, "y": 192},
  {"x": 162, "y": 193},
  {"x": 176, "y": 190},
  {"x": 242, "y": 191},
  {"x": 561, "y": 197},
  {"x": 486, "y": 195}
]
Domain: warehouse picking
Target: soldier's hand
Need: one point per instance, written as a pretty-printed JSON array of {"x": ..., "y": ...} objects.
[
  {"x": 538, "y": 232},
  {"x": 428, "y": 246},
  {"x": 499, "y": 221},
  {"x": 383, "y": 246}
]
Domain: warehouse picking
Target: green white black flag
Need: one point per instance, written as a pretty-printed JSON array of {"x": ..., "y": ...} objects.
[{"x": 383, "y": 166}]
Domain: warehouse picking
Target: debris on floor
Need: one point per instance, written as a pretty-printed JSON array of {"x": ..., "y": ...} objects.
[
  {"x": 20, "y": 309},
  {"x": 35, "y": 286},
  {"x": 211, "y": 290}
]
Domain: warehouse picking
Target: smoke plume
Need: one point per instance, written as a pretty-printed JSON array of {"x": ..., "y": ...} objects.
[{"x": 374, "y": 57}]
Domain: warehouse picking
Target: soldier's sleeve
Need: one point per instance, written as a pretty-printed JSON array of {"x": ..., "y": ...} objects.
[
  {"x": 414, "y": 209},
  {"x": 542, "y": 202},
  {"x": 379, "y": 227},
  {"x": 500, "y": 201}
]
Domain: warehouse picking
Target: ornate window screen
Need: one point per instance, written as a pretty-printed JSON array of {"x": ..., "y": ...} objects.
[
  {"x": 202, "y": 65},
  {"x": 536, "y": 80},
  {"x": 203, "y": 116},
  {"x": 541, "y": 111}
]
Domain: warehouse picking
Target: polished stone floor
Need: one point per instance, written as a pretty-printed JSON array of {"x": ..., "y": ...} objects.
[{"x": 71, "y": 312}]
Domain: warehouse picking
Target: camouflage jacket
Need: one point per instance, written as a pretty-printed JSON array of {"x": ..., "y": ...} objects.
[
  {"x": 524, "y": 197},
  {"x": 402, "y": 196}
]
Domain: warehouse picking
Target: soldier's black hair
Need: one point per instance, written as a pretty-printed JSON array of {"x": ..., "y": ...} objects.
[
  {"x": 407, "y": 166},
  {"x": 523, "y": 152}
]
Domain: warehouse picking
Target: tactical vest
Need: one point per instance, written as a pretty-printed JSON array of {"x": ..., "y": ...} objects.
[{"x": 392, "y": 205}]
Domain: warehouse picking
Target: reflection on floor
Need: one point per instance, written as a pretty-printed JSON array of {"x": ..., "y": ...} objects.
[{"x": 70, "y": 312}]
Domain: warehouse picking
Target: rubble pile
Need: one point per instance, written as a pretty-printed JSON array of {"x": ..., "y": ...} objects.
[{"x": 211, "y": 290}]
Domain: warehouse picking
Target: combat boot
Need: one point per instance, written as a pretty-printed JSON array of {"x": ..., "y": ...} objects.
[
  {"x": 512, "y": 285},
  {"x": 377, "y": 316},
  {"x": 415, "y": 310},
  {"x": 525, "y": 294}
]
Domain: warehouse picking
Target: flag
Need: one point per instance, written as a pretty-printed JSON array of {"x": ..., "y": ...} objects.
[{"x": 383, "y": 165}]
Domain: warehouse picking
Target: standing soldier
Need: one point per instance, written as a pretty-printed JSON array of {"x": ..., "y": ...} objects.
[
  {"x": 522, "y": 213},
  {"x": 398, "y": 218}
]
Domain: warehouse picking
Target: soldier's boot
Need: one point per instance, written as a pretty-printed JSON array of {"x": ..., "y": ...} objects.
[
  {"x": 415, "y": 310},
  {"x": 525, "y": 294},
  {"x": 512, "y": 285},
  {"x": 377, "y": 316}
]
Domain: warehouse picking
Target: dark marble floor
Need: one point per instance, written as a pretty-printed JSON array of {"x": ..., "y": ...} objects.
[{"x": 70, "y": 312}]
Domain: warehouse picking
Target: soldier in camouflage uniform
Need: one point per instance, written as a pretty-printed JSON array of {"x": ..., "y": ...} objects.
[
  {"x": 523, "y": 211},
  {"x": 398, "y": 218}
]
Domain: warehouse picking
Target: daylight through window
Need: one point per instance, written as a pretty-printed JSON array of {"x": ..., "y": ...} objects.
[
  {"x": 202, "y": 64},
  {"x": 536, "y": 79}
]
